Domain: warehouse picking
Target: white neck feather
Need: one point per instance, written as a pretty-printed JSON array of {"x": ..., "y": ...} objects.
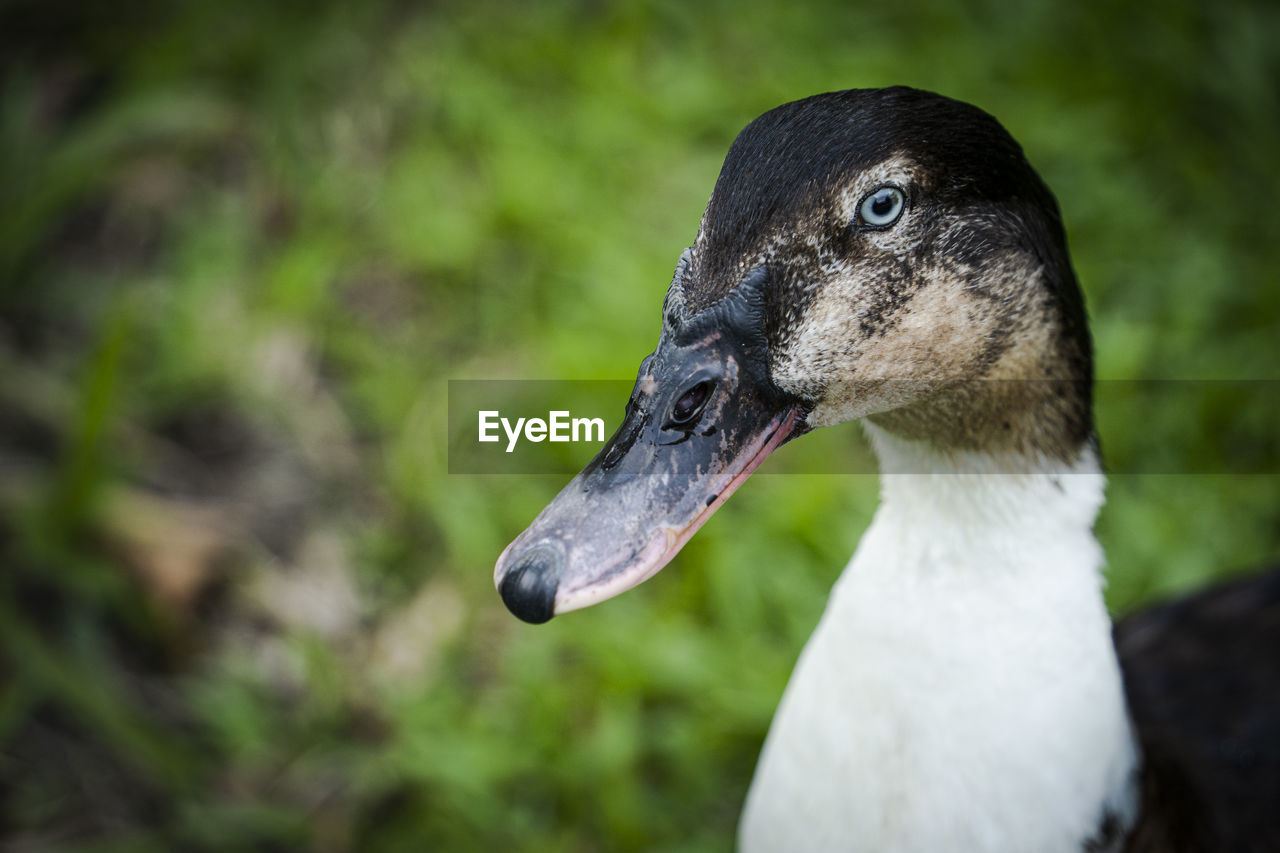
[{"x": 961, "y": 691}]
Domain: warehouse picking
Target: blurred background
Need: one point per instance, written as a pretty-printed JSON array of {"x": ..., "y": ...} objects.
[{"x": 245, "y": 246}]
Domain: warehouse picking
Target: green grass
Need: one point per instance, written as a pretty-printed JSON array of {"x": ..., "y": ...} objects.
[{"x": 244, "y": 247}]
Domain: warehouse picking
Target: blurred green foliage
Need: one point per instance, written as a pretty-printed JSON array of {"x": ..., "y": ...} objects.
[{"x": 243, "y": 248}]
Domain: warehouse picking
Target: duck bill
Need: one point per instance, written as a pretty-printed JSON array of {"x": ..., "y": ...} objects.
[
  {"x": 613, "y": 527},
  {"x": 656, "y": 481}
]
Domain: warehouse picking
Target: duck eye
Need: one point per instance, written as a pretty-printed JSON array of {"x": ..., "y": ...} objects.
[
  {"x": 690, "y": 404},
  {"x": 882, "y": 207}
]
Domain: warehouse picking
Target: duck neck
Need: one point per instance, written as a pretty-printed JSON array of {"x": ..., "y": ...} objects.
[{"x": 961, "y": 690}]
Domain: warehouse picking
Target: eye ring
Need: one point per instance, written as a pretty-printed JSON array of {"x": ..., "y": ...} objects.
[{"x": 881, "y": 208}]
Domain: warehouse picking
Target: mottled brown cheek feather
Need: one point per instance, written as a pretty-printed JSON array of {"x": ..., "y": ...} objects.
[{"x": 999, "y": 358}]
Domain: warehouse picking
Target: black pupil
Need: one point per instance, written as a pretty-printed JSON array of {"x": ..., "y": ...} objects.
[
  {"x": 882, "y": 204},
  {"x": 690, "y": 402}
]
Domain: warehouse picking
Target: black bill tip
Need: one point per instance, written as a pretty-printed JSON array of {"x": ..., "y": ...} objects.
[{"x": 529, "y": 586}]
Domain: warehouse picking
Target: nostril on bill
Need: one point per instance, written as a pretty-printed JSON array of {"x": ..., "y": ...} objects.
[{"x": 529, "y": 586}]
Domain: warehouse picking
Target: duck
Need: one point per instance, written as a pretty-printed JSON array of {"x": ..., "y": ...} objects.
[{"x": 890, "y": 256}]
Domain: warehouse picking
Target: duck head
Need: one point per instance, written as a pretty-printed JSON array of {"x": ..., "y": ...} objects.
[{"x": 885, "y": 254}]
